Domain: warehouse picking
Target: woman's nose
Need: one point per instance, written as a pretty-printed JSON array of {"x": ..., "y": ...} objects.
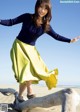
[{"x": 43, "y": 10}]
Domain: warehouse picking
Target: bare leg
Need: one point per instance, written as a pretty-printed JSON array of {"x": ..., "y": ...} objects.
[
  {"x": 29, "y": 88},
  {"x": 22, "y": 88},
  {"x": 25, "y": 85}
]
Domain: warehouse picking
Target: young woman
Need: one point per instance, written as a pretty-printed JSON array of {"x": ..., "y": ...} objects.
[{"x": 27, "y": 64}]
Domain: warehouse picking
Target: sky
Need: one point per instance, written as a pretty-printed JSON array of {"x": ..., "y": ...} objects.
[{"x": 64, "y": 56}]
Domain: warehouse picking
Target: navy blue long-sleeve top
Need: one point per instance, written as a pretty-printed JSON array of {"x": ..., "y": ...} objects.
[{"x": 29, "y": 32}]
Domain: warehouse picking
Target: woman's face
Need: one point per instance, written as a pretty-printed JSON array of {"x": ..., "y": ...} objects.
[{"x": 42, "y": 10}]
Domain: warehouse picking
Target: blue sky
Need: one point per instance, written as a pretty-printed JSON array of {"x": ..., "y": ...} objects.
[{"x": 56, "y": 54}]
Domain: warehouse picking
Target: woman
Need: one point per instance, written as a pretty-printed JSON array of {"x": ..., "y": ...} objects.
[{"x": 26, "y": 61}]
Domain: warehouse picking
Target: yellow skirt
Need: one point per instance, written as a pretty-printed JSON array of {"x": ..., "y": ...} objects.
[{"x": 28, "y": 65}]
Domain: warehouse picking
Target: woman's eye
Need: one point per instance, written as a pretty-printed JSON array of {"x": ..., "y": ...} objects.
[{"x": 41, "y": 6}]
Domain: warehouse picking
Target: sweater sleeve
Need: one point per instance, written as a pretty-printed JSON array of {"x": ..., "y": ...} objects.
[
  {"x": 58, "y": 37},
  {"x": 17, "y": 20}
]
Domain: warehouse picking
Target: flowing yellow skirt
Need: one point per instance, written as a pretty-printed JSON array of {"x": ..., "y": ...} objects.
[{"x": 28, "y": 65}]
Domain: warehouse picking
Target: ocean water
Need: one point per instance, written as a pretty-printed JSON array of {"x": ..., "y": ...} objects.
[
  {"x": 42, "y": 83},
  {"x": 70, "y": 85}
]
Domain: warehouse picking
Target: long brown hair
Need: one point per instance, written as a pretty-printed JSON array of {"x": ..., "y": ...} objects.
[{"x": 46, "y": 20}]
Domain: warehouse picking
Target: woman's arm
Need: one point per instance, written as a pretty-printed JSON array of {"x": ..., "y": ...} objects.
[
  {"x": 10, "y": 22},
  {"x": 56, "y": 36}
]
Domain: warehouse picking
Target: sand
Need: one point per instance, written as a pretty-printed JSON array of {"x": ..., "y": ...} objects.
[{"x": 40, "y": 91}]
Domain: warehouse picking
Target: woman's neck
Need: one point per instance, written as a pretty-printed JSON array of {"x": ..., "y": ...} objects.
[{"x": 39, "y": 20}]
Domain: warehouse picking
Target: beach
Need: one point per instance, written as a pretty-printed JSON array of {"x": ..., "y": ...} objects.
[{"x": 40, "y": 91}]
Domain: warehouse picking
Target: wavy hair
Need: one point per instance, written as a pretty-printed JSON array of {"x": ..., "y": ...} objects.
[{"x": 47, "y": 18}]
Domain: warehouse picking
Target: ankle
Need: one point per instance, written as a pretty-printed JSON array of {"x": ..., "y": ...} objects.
[
  {"x": 31, "y": 96},
  {"x": 29, "y": 91}
]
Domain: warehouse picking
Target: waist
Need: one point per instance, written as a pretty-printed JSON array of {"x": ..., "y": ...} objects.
[{"x": 26, "y": 41}]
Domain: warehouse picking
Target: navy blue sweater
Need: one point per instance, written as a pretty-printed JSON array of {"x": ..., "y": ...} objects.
[{"x": 29, "y": 32}]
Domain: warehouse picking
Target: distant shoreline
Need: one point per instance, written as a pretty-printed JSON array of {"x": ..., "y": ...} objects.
[{"x": 43, "y": 85}]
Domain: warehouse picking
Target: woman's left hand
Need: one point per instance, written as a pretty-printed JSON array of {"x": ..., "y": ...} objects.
[{"x": 75, "y": 39}]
